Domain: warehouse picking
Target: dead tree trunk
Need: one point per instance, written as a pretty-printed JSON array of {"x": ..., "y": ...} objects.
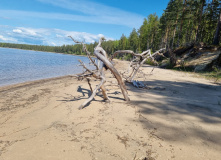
[{"x": 101, "y": 55}]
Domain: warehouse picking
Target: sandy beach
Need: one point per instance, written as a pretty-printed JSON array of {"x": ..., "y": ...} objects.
[{"x": 178, "y": 116}]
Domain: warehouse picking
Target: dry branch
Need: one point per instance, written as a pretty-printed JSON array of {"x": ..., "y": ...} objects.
[
  {"x": 93, "y": 93},
  {"x": 98, "y": 74},
  {"x": 88, "y": 53},
  {"x": 139, "y": 60},
  {"x": 101, "y": 55}
]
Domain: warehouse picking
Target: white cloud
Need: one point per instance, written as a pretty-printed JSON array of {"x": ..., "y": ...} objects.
[
  {"x": 29, "y": 31},
  {"x": 7, "y": 39},
  {"x": 3, "y": 38},
  {"x": 59, "y": 36},
  {"x": 17, "y": 31},
  {"x": 44, "y": 36},
  {"x": 80, "y": 36}
]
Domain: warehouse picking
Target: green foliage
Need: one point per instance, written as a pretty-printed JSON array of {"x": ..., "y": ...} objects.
[
  {"x": 123, "y": 43},
  {"x": 150, "y": 62},
  {"x": 143, "y": 35},
  {"x": 133, "y": 40},
  {"x": 216, "y": 74}
]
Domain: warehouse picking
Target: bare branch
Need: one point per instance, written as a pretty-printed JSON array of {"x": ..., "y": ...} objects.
[
  {"x": 101, "y": 55},
  {"x": 85, "y": 50},
  {"x": 145, "y": 53},
  {"x": 88, "y": 81},
  {"x": 138, "y": 61},
  {"x": 93, "y": 73},
  {"x": 93, "y": 94},
  {"x": 158, "y": 52}
]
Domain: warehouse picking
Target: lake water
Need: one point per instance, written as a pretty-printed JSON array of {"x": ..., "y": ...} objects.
[{"x": 18, "y": 66}]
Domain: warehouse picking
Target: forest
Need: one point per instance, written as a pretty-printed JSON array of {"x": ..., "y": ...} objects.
[{"x": 183, "y": 22}]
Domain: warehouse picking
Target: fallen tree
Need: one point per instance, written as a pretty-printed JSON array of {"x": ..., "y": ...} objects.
[
  {"x": 98, "y": 73},
  {"x": 138, "y": 60}
]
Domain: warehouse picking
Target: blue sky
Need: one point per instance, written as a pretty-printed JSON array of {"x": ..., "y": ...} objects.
[{"x": 49, "y": 22}]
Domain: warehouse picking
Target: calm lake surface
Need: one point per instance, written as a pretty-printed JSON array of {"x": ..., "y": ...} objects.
[{"x": 18, "y": 66}]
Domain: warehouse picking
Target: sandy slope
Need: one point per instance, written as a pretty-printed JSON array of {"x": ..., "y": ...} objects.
[{"x": 40, "y": 120}]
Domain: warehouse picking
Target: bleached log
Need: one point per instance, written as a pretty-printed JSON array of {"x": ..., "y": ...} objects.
[
  {"x": 103, "y": 89},
  {"x": 93, "y": 94},
  {"x": 101, "y": 55},
  {"x": 97, "y": 76}
]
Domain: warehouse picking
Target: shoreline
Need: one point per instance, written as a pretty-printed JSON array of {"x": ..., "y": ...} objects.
[
  {"x": 34, "y": 82},
  {"x": 176, "y": 117},
  {"x": 46, "y": 51},
  {"x": 13, "y": 80}
]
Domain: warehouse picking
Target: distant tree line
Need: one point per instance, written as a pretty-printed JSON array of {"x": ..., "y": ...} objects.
[{"x": 183, "y": 22}]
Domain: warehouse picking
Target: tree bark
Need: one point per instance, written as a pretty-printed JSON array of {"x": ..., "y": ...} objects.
[
  {"x": 174, "y": 32},
  {"x": 181, "y": 23},
  {"x": 200, "y": 20},
  {"x": 217, "y": 34}
]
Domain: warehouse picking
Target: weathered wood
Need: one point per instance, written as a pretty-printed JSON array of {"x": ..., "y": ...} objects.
[
  {"x": 138, "y": 61},
  {"x": 136, "y": 70},
  {"x": 98, "y": 74},
  {"x": 103, "y": 89},
  {"x": 93, "y": 94},
  {"x": 101, "y": 85},
  {"x": 101, "y": 55},
  {"x": 88, "y": 81}
]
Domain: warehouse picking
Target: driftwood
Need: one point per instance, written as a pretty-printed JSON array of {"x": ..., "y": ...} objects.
[
  {"x": 138, "y": 61},
  {"x": 98, "y": 73},
  {"x": 101, "y": 54}
]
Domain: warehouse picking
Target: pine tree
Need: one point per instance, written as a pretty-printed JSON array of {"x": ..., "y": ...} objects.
[
  {"x": 218, "y": 28},
  {"x": 143, "y": 35},
  {"x": 133, "y": 40},
  {"x": 123, "y": 43}
]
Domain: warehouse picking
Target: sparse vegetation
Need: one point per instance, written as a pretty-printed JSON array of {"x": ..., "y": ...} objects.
[{"x": 214, "y": 75}]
